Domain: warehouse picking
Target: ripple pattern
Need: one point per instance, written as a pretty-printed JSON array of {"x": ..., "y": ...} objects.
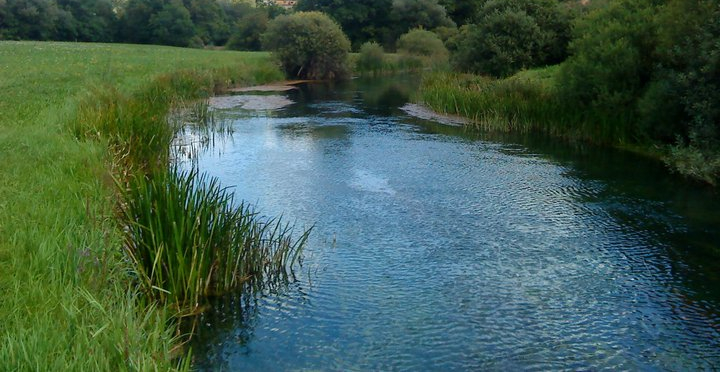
[{"x": 440, "y": 252}]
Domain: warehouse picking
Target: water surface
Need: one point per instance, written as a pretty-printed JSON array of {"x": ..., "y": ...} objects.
[{"x": 437, "y": 249}]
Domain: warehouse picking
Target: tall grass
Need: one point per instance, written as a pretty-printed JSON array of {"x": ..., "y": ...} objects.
[
  {"x": 69, "y": 302},
  {"x": 187, "y": 239},
  {"x": 526, "y": 102}
]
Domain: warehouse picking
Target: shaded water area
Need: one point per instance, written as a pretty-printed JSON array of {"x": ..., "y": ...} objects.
[{"x": 438, "y": 249}]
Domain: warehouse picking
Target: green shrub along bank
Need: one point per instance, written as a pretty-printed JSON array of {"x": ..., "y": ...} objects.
[
  {"x": 638, "y": 73},
  {"x": 309, "y": 45},
  {"x": 71, "y": 298},
  {"x": 526, "y": 102}
]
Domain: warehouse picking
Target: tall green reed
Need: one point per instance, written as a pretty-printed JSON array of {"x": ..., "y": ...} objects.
[
  {"x": 188, "y": 239},
  {"x": 522, "y": 103}
]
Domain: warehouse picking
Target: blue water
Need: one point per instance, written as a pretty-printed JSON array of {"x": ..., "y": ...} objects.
[{"x": 438, "y": 249}]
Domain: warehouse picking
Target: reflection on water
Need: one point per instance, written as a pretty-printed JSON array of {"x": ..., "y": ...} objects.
[{"x": 435, "y": 248}]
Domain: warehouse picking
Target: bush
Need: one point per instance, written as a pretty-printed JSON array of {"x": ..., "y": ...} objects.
[
  {"x": 248, "y": 30},
  {"x": 423, "y": 44},
  {"x": 371, "y": 58},
  {"x": 512, "y": 35},
  {"x": 308, "y": 45}
]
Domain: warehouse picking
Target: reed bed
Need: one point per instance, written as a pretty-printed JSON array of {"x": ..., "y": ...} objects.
[
  {"x": 187, "y": 239},
  {"x": 72, "y": 301},
  {"x": 526, "y": 102}
]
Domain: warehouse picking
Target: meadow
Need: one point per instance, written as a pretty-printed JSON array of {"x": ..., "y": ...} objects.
[{"x": 68, "y": 301}]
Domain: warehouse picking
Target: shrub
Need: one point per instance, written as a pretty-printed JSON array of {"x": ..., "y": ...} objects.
[
  {"x": 423, "y": 44},
  {"x": 371, "y": 58},
  {"x": 512, "y": 35},
  {"x": 248, "y": 30},
  {"x": 308, "y": 45}
]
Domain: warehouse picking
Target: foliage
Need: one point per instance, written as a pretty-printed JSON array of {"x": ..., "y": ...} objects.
[
  {"x": 410, "y": 14},
  {"x": 424, "y": 44},
  {"x": 187, "y": 239},
  {"x": 62, "y": 263},
  {"x": 371, "y": 58},
  {"x": 172, "y": 25},
  {"x": 510, "y": 35},
  {"x": 361, "y": 20},
  {"x": 308, "y": 45},
  {"x": 247, "y": 31}
]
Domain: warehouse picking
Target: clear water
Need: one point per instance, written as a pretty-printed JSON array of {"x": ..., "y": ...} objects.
[{"x": 437, "y": 249}]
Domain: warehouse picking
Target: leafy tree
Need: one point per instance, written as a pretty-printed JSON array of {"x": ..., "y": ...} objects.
[
  {"x": 209, "y": 20},
  {"x": 371, "y": 58},
  {"x": 247, "y": 31},
  {"x": 612, "y": 57},
  {"x": 409, "y": 14},
  {"x": 135, "y": 20},
  {"x": 308, "y": 45},
  {"x": 34, "y": 20},
  {"x": 361, "y": 20},
  {"x": 461, "y": 11},
  {"x": 511, "y": 35},
  {"x": 172, "y": 25},
  {"x": 93, "y": 20},
  {"x": 423, "y": 43}
]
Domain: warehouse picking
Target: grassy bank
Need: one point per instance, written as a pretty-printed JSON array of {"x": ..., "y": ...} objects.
[
  {"x": 67, "y": 302},
  {"x": 525, "y": 102}
]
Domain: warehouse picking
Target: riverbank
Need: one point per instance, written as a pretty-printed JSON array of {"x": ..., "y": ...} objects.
[
  {"x": 529, "y": 102},
  {"x": 68, "y": 302}
]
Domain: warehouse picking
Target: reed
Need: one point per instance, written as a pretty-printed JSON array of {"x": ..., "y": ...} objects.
[
  {"x": 526, "y": 102},
  {"x": 187, "y": 239}
]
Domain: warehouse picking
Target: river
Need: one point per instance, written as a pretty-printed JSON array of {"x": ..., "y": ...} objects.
[{"x": 438, "y": 249}]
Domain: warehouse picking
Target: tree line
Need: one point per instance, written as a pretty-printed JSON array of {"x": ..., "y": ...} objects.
[{"x": 194, "y": 23}]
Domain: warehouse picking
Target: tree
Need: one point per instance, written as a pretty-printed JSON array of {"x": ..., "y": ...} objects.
[
  {"x": 424, "y": 44},
  {"x": 511, "y": 35},
  {"x": 209, "y": 20},
  {"x": 361, "y": 20},
  {"x": 135, "y": 20},
  {"x": 409, "y": 14},
  {"x": 94, "y": 20},
  {"x": 308, "y": 45},
  {"x": 172, "y": 25},
  {"x": 247, "y": 31}
]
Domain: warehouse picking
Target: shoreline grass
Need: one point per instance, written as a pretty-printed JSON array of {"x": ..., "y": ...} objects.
[
  {"x": 528, "y": 102},
  {"x": 68, "y": 304}
]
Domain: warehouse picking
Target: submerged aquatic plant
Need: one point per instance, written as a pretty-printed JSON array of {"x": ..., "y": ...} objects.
[{"x": 187, "y": 239}]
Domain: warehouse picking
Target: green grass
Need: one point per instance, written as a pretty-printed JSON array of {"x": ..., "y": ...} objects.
[
  {"x": 67, "y": 302},
  {"x": 188, "y": 240},
  {"x": 525, "y": 102}
]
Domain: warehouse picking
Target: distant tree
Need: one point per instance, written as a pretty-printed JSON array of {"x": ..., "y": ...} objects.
[
  {"x": 93, "y": 20},
  {"x": 511, "y": 35},
  {"x": 135, "y": 21},
  {"x": 35, "y": 20},
  {"x": 423, "y": 44},
  {"x": 361, "y": 20},
  {"x": 172, "y": 25},
  {"x": 308, "y": 45},
  {"x": 247, "y": 31},
  {"x": 409, "y": 14},
  {"x": 209, "y": 20},
  {"x": 461, "y": 11},
  {"x": 371, "y": 57}
]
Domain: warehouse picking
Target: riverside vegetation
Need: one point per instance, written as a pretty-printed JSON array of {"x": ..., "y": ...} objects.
[
  {"x": 77, "y": 121},
  {"x": 634, "y": 74}
]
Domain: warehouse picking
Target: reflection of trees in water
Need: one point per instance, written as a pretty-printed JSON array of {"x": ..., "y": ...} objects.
[{"x": 229, "y": 320}]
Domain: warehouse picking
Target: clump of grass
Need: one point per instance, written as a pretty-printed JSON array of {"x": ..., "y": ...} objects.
[
  {"x": 187, "y": 239},
  {"x": 526, "y": 102}
]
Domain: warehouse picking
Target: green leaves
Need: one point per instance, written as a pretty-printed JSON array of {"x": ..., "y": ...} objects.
[
  {"x": 187, "y": 239},
  {"x": 308, "y": 45}
]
